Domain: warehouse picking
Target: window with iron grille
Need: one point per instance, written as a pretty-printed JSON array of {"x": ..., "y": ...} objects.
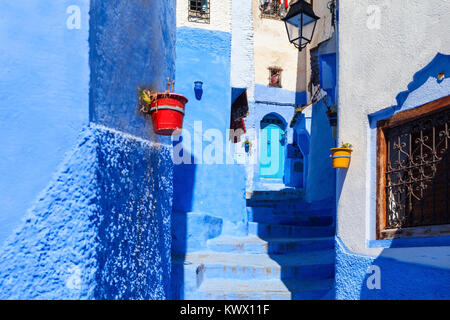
[
  {"x": 272, "y": 9},
  {"x": 199, "y": 11},
  {"x": 275, "y": 77},
  {"x": 413, "y": 172}
]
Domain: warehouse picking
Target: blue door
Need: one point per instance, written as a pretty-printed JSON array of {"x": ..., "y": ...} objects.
[{"x": 272, "y": 150}]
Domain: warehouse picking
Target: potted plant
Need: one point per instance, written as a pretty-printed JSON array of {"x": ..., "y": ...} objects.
[
  {"x": 341, "y": 156},
  {"x": 247, "y": 146},
  {"x": 166, "y": 108}
]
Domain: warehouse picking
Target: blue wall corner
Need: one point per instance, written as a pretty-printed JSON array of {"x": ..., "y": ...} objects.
[{"x": 87, "y": 234}]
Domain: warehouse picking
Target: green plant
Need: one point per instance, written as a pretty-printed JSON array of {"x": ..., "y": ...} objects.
[
  {"x": 347, "y": 146},
  {"x": 247, "y": 143},
  {"x": 146, "y": 98}
]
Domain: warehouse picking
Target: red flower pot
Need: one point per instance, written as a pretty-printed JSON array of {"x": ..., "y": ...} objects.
[{"x": 167, "y": 113}]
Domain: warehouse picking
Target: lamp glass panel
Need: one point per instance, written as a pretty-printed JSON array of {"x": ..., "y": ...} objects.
[{"x": 308, "y": 30}]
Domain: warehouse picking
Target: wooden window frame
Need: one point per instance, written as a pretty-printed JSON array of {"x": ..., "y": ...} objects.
[{"x": 381, "y": 207}]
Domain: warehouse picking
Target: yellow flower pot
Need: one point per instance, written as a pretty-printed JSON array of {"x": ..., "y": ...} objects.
[{"x": 341, "y": 157}]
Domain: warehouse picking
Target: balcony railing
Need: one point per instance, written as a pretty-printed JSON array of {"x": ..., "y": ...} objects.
[{"x": 272, "y": 9}]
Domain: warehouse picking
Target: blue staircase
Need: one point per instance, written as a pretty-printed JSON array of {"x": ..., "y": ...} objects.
[{"x": 288, "y": 254}]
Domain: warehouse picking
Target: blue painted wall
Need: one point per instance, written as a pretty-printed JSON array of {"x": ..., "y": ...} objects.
[
  {"x": 399, "y": 280},
  {"x": 100, "y": 230},
  {"x": 100, "y": 225},
  {"x": 44, "y": 92},
  {"x": 320, "y": 183},
  {"x": 216, "y": 190}
]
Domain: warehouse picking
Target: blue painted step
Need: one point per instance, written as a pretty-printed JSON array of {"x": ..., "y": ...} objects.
[
  {"x": 305, "y": 266},
  {"x": 301, "y": 220},
  {"x": 293, "y": 204},
  {"x": 273, "y": 230},
  {"x": 256, "y": 245},
  {"x": 261, "y": 212},
  {"x": 220, "y": 289}
]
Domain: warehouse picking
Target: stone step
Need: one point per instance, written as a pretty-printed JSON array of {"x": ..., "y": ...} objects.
[
  {"x": 256, "y": 245},
  {"x": 276, "y": 195},
  {"x": 302, "y": 220},
  {"x": 306, "y": 266},
  {"x": 220, "y": 289},
  {"x": 286, "y": 231},
  {"x": 292, "y": 204},
  {"x": 258, "y": 212}
]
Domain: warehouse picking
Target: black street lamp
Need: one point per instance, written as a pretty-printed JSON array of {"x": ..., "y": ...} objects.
[{"x": 300, "y": 23}]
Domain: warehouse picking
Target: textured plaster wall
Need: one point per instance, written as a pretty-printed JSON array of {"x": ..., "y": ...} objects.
[
  {"x": 220, "y": 16},
  {"x": 376, "y": 64},
  {"x": 321, "y": 175},
  {"x": 95, "y": 220},
  {"x": 44, "y": 92},
  {"x": 398, "y": 280},
  {"x": 101, "y": 228}
]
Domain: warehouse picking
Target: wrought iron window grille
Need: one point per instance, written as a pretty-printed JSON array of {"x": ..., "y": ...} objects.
[
  {"x": 199, "y": 11},
  {"x": 272, "y": 9},
  {"x": 415, "y": 170}
]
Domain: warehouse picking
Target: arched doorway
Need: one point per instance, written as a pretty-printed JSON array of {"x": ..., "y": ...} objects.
[{"x": 272, "y": 147}]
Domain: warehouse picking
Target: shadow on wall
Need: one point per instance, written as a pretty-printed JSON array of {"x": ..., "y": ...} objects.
[
  {"x": 360, "y": 277},
  {"x": 101, "y": 230},
  {"x": 183, "y": 182},
  {"x": 424, "y": 87},
  {"x": 321, "y": 175},
  {"x": 191, "y": 229}
]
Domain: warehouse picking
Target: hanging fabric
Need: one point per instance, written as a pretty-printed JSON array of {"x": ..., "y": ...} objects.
[{"x": 286, "y": 3}]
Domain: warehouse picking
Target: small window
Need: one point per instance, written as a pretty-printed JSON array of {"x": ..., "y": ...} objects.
[
  {"x": 275, "y": 77},
  {"x": 199, "y": 11},
  {"x": 273, "y": 9},
  {"x": 413, "y": 172}
]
